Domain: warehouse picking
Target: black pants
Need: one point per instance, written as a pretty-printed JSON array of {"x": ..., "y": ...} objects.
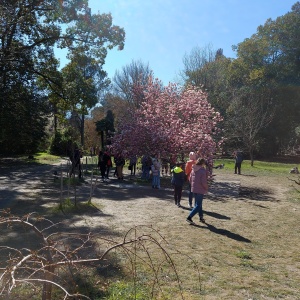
[
  {"x": 237, "y": 167},
  {"x": 76, "y": 166},
  {"x": 177, "y": 193},
  {"x": 133, "y": 169},
  {"x": 102, "y": 167}
]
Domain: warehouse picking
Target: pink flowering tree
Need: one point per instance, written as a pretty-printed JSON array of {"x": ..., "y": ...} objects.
[{"x": 170, "y": 122}]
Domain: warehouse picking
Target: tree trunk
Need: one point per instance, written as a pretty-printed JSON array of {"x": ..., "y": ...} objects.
[
  {"x": 102, "y": 139},
  {"x": 251, "y": 157},
  {"x": 82, "y": 130}
]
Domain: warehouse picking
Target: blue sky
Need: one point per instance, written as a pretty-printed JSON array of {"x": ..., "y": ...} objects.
[{"x": 161, "y": 32}]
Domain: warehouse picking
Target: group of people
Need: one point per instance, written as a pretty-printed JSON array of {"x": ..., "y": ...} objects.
[
  {"x": 104, "y": 164},
  {"x": 196, "y": 174}
]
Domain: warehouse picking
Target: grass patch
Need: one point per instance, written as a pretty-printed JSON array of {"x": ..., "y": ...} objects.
[
  {"x": 45, "y": 158},
  {"x": 294, "y": 194},
  {"x": 259, "y": 167},
  {"x": 243, "y": 254},
  {"x": 68, "y": 206},
  {"x": 128, "y": 291}
]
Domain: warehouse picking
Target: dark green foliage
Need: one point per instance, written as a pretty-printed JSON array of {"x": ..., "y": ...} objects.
[
  {"x": 106, "y": 128},
  {"x": 22, "y": 121},
  {"x": 29, "y": 75},
  {"x": 265, "y": 73},
  {"x": 61, "y": 143}
]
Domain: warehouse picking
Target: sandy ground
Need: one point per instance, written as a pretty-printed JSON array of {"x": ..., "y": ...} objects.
[{"x": 241, "y": 212}]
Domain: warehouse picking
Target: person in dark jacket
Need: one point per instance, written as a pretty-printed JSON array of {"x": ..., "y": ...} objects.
[
  {"x": 107, "y": 161},
  {"x": 238, "y": 156},
  {"x": 178, "y": 178},
  {"x": 75, "y": 160},
  {"x": 102, "y": 164}
]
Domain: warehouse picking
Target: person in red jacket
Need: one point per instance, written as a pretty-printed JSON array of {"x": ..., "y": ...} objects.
[
  {"x": 199, "y": 188},
  {"x": 188, "y": 170}
]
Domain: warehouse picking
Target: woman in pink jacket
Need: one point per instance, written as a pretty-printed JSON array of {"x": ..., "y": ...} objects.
[{"x": 199, "y": 188}]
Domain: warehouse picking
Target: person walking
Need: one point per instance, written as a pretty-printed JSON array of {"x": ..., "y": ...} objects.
[
  {"x": 164, "y": 166},
  {"x": 178, "y": 178},
  {"x": 188, "y": 170},
  {"x": 102, "y": 164},
  {"x": 199, "y": 187},
  {"x": 107, "y": 161},
  {"x": 132, "y": 164},
  {"x": 155, "y": 169},
  {"x": 238, "y": 156},
  {"x": 146, "y": 166},
  {"x": 76, "y": 163},
  {"x": 120, "y": 162}
]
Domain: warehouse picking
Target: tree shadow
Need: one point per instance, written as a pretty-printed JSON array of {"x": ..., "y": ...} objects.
[
  {"x": 222, "y": 191},
  {"x": 257, "y": 194}
]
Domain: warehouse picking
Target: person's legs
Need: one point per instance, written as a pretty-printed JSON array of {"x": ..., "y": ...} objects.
[
  {"x": 131, "y": 169},
  {"x": 134, "y": 169},
  {"x": 147, "y": 173},
  {"x": 153, "y": 181},
  {"x": 158, "y": 181},
  {"x": 237, "y": 168},
  {"x": 194, "y": 211},
  {"x": 179, "y": 193},
  {"x": 119, "y": 172},
  {"x": 175, "y": 194},
  {"x": 197, "y": 208},
  {"x": 199, "y": 199},
  {"x": 122, "y": 175},
  {"x": 107, "y": 172},
  {"x": 191, "y": 195},
  {"x": 72, "y": 169},
  {"x": 102, "y": 171},
  {"x": 144, "y": 170}
]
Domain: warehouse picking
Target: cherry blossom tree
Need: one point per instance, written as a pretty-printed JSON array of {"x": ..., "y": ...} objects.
[{"x": 170, "y": 122}]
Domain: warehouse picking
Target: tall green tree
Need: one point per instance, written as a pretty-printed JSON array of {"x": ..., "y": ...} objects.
[
  {"x": 83, "y": 79},
  {"x": 106, "y": 128},
  {"x": 208, "y": 69},
  {"x": 30, "y": 29},
  {"x": 271, "y": 58}
]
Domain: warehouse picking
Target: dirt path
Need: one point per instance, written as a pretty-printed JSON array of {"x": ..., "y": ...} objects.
[{"x": 243, "y": 214}]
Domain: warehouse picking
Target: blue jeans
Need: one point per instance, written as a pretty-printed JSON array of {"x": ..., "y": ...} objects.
[
  {"x": 198, "y": 206},
  {"x": 156, "y": 180}
]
